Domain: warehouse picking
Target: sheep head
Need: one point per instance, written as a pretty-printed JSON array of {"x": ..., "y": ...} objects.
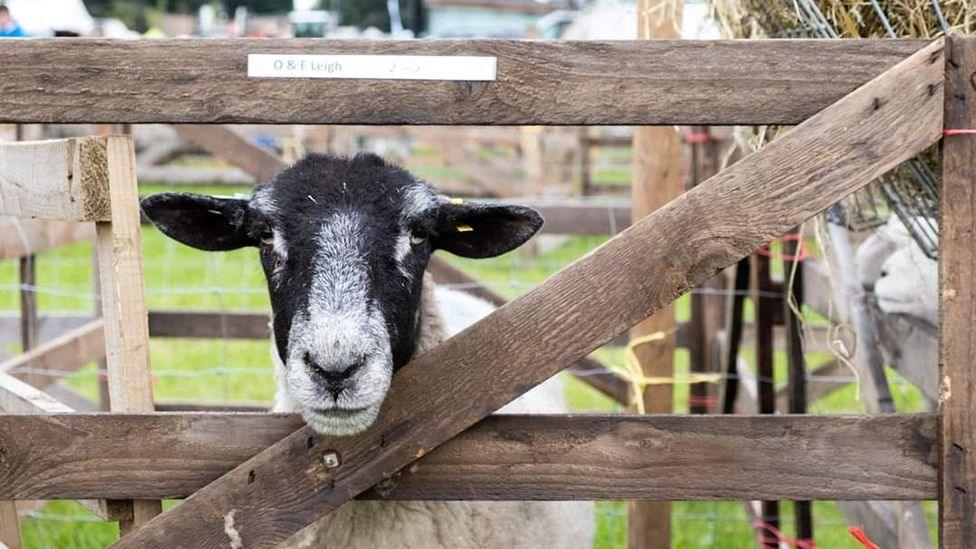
[{"x": 343, "y": 243}]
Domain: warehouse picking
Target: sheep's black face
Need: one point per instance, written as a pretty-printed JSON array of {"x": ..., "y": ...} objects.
[{"x": 344, "y": 244}]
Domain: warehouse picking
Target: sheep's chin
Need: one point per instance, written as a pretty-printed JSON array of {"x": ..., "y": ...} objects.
[{"x": 338, "y": 422}]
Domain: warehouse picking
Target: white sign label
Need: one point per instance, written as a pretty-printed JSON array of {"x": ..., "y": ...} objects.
[{"x": 387, "y": 67}]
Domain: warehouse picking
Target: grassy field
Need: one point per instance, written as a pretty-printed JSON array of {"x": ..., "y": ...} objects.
[{"x": 240, "y": 371}]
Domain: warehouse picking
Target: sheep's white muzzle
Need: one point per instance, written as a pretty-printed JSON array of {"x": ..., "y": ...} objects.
[{"x": 340, "y": 422}]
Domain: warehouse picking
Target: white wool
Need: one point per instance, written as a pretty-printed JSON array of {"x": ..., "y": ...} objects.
[
  {"x": 909, "y": 284},
  {"x": 455, "y": 524},
  {"x": 875, "y": 249},
  {"x": 460, "y": 310}
]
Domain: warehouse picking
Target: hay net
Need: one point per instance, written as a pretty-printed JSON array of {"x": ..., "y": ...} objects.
[{"x": 911, "y": 191}]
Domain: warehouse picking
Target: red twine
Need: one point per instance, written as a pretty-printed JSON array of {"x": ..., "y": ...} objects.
[
  {"x": 794, "y": 237},
  {"x": 780, "y": 537},
  {"x": 961, "y": 131},
  {"x": 689, "y": 135},
  {"x": 860, "y": 536},
  {"x": 707, "y": 401}
]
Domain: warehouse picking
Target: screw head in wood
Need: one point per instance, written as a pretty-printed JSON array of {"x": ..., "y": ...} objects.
[{"x": 331, "y": 459}]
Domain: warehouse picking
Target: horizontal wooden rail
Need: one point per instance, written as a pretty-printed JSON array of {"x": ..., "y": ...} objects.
[
  {"x": 61, "y": 179},
  {"x": 603, "y": 457},
  {"x": 17, "y": 397},
  {"x": 581, "y": 218},
  {"x": 61, "y": 355},
  {"x": 209, "y": 324},
  {"x": 546, "y": 82},
  {"x": 21, "y": 237},
  {"x": 225, "y": 143}
]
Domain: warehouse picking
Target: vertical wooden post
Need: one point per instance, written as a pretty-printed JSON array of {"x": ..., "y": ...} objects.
[
  {"x": 104, "y": 399},
  {"x": 765, "y": 383},
  {"x": 9, "y": 519},
  {"x": 533, "y": 161},
  {"x": 9, "y": 525},
  {"x": 734, "y": 319},
  {"x": 707, "y": 303},
  {"x": 583, "y": 153},
  {"x": 123, "y": 301},
  {"x": 28, "y": 302},
  {"x": 657, "y": 180},
  {"x": 28, "y": 279},
  {"x": 796, "y": 365},
  {"x": 957, "y": 265}
]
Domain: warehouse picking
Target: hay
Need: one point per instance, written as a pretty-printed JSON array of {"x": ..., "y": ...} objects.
[
  {"x": 849, "y": 18},
  {"x": 909, "y": 191}
]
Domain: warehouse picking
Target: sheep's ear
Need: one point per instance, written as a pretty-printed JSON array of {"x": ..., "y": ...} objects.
[
  {"x": 204, "y": 222},
  {"x": 484, "y": 230}
]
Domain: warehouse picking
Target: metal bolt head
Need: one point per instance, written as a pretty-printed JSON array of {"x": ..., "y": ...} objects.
[{"x": 331, "y": 459}]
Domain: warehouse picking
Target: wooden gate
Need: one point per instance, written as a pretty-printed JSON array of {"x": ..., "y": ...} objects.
[{"x": 861, "y": 107}]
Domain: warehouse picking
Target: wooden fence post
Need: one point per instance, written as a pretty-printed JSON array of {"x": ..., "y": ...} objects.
[
  {"x": 656, "y": 181},
  {"x": 766, "y": 309},
  {"x": 795, "y": 358},
  {"x": 957, "y": 264},
  {"x": 707, "y": 304},
  {"x": 9, "y": 520},
  {"x": 120, "y": 274}
]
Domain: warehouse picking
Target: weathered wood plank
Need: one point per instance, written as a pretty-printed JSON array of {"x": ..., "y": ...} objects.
[
  {"x": 28, "y": 301},
  {"x": 64, "y": 179},
  {"x": 126, "y": 328},
  {"x": 576, "y": 310},
  {"x": 206, "y": 324},
  {"x": 591, "y": 371},
  {"x": 957, "y": 263},
  {"x": 550, "y": 82},
  {"x": 121, "y": 279},
  {"x": 20, "y": 237},
  {"x": 224, "y": 142},
  {"x": 194, "y": 406},
  {"x": 65, "y": 353},
  {"x": 502, "y": 457},
  {"x": 17, "y": 397},
  {"x": 9, "y": 526},
  {"x": 657, "y": 179},
  {"x": 766, "y": 310},
  {"x": 584, "y": 218}
]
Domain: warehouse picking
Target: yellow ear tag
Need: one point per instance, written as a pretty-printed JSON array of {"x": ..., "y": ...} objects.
[
  {"x": 457, "y": 201},
  {"x": 464, "y": 228}
]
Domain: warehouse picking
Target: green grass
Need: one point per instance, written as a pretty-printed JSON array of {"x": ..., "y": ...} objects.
[{"x": 179, "y": 277}]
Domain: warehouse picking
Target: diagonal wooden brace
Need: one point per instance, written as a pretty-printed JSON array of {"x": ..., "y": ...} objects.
[{"x": 440, "y": 394}]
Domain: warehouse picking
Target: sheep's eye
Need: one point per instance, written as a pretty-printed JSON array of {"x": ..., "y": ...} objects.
[
  {"x": 417, "y": 238},
  {"x": 267, "y": 239}
]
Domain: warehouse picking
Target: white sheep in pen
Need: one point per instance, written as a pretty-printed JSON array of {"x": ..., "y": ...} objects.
[{"x": 344, "y": 243}]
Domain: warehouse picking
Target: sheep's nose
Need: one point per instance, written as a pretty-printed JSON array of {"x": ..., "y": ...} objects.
[{"x": 335, "y": 379}]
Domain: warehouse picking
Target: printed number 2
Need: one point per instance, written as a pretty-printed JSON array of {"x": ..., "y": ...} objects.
[{"x": 392, "y": 67}]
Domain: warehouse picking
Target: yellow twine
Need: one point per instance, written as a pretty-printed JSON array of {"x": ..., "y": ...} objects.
[{"x": 634, "y": 374}]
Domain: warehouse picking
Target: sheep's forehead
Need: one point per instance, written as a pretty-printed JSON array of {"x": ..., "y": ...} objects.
[{"x": 398, "y": 202}]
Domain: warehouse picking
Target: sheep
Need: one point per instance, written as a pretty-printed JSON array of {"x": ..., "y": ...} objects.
[
  {"x": 904, "y": 284},
  {"x": 344, "y": 244},
  {"x": 904, "y": 280}
]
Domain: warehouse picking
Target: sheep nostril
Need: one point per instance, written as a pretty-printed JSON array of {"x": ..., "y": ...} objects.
[
  {"x": 335, "y": 380},
  {"x": 884, "y": 274}
]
